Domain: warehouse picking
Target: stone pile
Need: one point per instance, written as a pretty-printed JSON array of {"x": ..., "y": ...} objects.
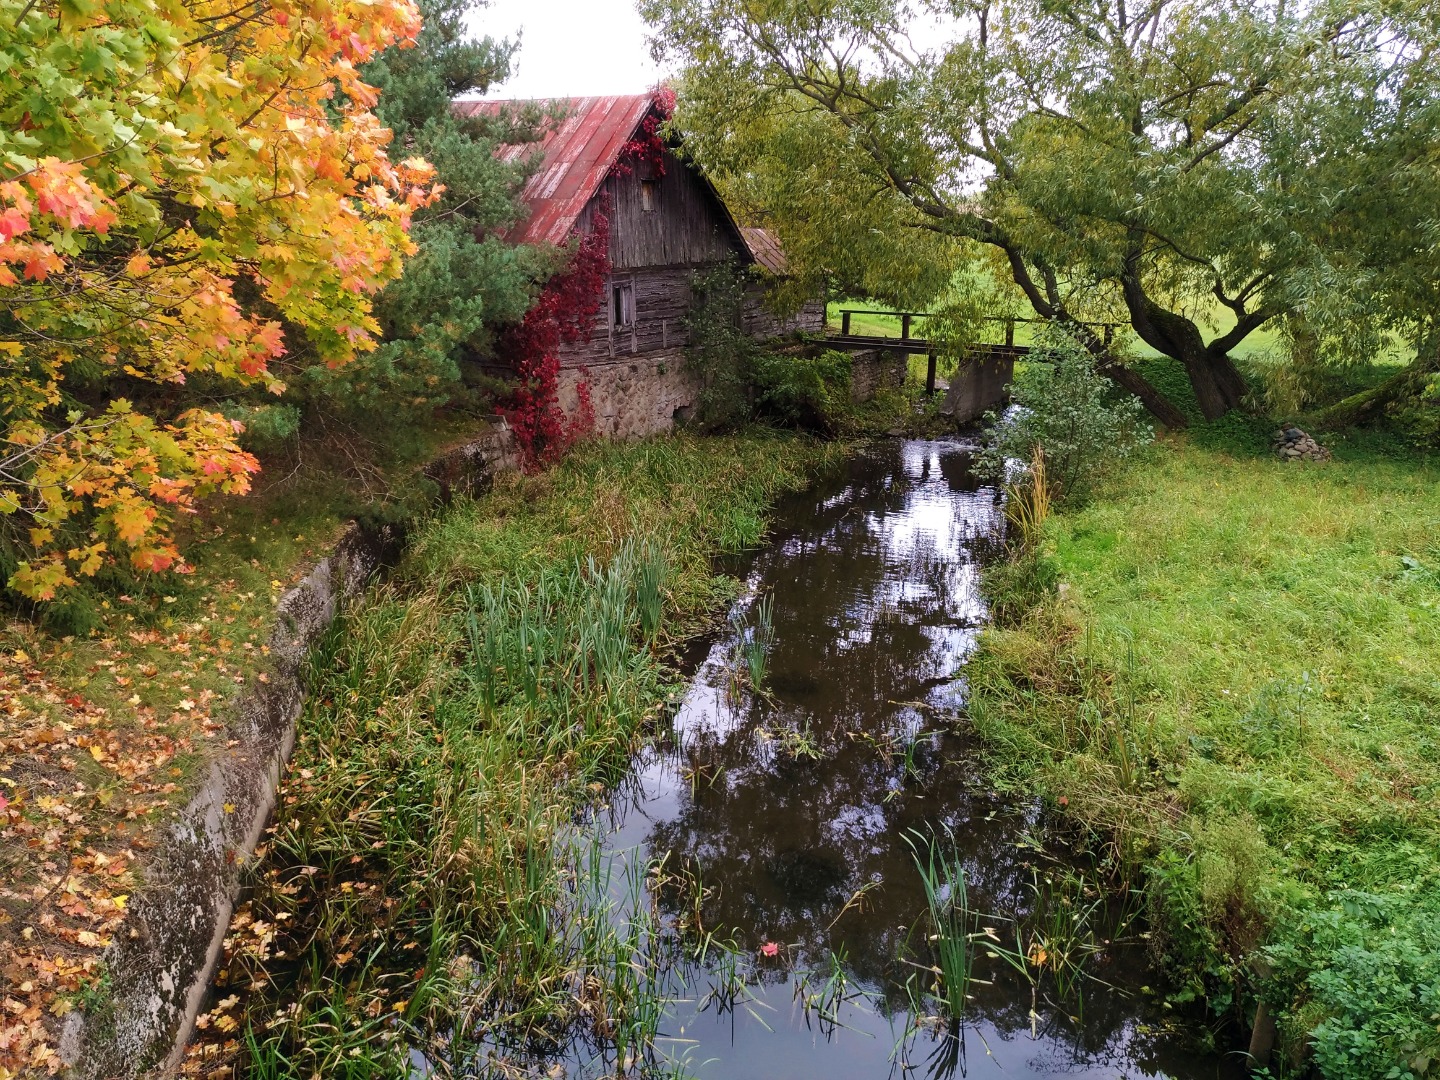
[{"x": 1292, "y": 444}]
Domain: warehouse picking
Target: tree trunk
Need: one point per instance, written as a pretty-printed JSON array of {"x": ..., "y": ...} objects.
[
  {"x": 1218, "y": 384},
  {"x": 1156, "y": 403},
  {"x": 1366, "y": 405}
]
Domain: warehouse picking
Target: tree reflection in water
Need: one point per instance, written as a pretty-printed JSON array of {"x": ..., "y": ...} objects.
[{"x": 875, "y": 583}]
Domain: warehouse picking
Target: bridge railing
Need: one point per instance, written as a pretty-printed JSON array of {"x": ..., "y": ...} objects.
[{"x": 909, "y": 318}]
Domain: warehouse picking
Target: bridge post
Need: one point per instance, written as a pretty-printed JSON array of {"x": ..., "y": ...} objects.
[
  {"x": 930, "y": 374},
  {"x": 845, "y": 323},
  {"x": 905, "y": 327},
  {"x": 1009, "y": 331}
]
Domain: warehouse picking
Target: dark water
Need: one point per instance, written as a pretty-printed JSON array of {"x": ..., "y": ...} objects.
[{"x": 876, "y": 606}]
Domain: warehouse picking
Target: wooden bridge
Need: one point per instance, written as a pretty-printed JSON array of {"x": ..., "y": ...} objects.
[{"x": 995, "y": 353}]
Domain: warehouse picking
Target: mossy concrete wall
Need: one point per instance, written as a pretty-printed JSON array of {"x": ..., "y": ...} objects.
[
  {"x": 160, "y": 962},
  {"x": 874, "y": 370},
  {"x": 981, "y": 384}
]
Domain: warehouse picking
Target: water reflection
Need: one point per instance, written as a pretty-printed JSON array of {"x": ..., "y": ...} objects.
[{"x": 876, "y": 607}]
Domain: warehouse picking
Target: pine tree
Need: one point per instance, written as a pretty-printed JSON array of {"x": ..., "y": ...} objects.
[{"x": 465, "y": 280}]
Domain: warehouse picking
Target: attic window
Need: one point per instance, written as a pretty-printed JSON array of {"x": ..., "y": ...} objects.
[
  {"x": 647, "y": 195},
  {"x": 622, "y": 305}
]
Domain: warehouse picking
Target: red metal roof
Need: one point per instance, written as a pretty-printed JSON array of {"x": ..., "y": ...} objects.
[{"x": 578, "y": 153}]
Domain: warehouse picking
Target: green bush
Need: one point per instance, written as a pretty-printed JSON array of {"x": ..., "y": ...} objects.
[
  {"x": 740, "y": 381},
  {"x": 1368, "y": 966},
  {"x": 800, "y": 391},
  {"x": 1072, "y": 412},
  {"x": 267, "y": 427}
]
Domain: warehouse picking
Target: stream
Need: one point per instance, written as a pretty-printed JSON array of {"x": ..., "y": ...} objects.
[{"x": 802, "y": 809}]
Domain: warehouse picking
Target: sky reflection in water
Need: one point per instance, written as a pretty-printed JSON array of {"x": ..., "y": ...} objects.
[{"x": 876, "y": 607}]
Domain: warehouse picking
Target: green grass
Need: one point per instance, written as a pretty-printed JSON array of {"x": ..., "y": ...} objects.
[
  {"x": 1237, "y": 682},
  {"x": 422, "y": 884}
]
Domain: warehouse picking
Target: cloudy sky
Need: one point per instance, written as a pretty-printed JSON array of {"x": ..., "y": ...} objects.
[{"x": 571, "y": 47}]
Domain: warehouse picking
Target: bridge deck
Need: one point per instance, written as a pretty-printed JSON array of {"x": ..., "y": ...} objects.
[{"x": 907, "y": 342}]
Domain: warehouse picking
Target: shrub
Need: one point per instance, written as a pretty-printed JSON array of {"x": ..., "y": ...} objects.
[
  {"x": 740, "y": 381},
  {"x": 720, "y": 350},
  {"x": 1369, "y": 966},
  {"x": 1064, "y": 406},
  {"x": 801, "y": 391}
]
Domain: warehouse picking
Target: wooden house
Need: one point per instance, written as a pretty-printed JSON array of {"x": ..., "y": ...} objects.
[{"x": 666, "y": 224}]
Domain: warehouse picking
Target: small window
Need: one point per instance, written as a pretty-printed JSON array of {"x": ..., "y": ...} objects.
[
  {"x": 647, "y": 195},
  {"x": 622, "y": 305}
]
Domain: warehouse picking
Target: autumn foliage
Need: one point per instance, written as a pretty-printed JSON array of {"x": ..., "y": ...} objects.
[
  {"x": 185, "y": 187},
  {"x": 564, "y": 313}
]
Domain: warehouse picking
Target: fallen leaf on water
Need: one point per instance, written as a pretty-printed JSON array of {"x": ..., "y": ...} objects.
[{"x": 770, "y": 948}]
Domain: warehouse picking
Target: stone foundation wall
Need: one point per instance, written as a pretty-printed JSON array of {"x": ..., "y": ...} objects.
[
  {"x": 635, "y": 397},
  {"x": 876, "y": 370},
  {"x": 162, "y": 958}
]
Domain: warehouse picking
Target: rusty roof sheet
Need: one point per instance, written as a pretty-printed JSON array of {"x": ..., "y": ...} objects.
[{"x": 578, "y": 153}]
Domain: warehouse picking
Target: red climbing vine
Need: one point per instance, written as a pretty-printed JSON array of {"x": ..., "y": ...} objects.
[
  {"x": 647, "y": 146},
  {"x": 564, "y": 313}
]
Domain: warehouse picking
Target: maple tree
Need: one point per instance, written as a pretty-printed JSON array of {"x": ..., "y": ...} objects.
[{"x": 185, "y": 187}]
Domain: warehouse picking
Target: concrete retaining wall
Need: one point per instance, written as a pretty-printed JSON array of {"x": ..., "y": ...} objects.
[
  {"x": 161, "y": 960},
  {"x": 981, "y": 384}
]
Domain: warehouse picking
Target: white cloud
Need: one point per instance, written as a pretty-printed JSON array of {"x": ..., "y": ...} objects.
[{"x": 570, "y": 48}]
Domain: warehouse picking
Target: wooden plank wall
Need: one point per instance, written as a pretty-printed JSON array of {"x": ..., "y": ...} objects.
[
  {"x": 686, "y": 227},
  {"x": 658, "y": 252},
  {"x": 662, "y": 302}
]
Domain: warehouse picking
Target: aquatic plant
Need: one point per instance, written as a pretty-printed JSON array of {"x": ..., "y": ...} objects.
[
  {"x": 794, "y": 742},
  {"x": 952, "y": 924},
  {"x": 755, "y": 639},
  {"x": 823, "y": 994}
]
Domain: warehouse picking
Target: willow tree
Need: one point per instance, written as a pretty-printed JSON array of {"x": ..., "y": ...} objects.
[
  {"x": 1113, "y": 156},
  {"x": 1371, "y": 195}
]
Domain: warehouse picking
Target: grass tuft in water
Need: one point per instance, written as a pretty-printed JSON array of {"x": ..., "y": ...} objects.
[
  {"x": 754, "y": 639},
  {"x": 952, "y": 925}
]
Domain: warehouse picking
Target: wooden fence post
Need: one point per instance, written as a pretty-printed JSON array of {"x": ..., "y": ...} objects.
[
  {"x": 930, "y": 373},
  {"x": 1009, "y": 332},
  {"x": 845, "y": 323}
]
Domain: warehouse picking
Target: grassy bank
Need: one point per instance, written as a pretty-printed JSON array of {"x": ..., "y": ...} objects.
[
  {"x": 414, "y": 892},
  {"x": 1230, "y": 668}
]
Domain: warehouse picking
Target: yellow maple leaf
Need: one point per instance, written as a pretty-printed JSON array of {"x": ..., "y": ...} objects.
[{"x": 97, "y": 752}]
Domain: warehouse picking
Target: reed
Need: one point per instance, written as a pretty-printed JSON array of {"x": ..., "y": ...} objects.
[
  {"x": 421, "y": 890},
  {"x": 952, "y": 924},
  {"x": 1027, "y": 503},
  {"x": 756, "y": 638}
]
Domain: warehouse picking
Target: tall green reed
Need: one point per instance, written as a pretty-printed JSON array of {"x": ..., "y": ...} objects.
[{"x": 952, "y": 923}]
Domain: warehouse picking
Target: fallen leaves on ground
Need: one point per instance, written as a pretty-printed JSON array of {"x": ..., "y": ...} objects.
[{"x": 83, "y": 787}]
